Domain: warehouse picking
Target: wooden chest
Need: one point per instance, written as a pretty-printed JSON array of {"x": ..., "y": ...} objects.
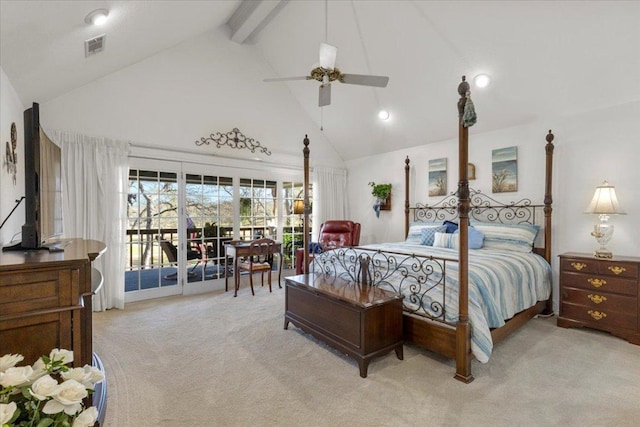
[
  {"x": 600, "y": 294},
  {"x": 361, "y": 321}
]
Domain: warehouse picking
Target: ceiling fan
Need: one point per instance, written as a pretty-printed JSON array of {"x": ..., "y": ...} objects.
[{"x": 327, "y": 72}]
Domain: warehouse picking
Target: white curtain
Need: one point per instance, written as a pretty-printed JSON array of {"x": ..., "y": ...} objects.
[
  {"x": 94, "y": 184},
  {"x": 329, "y": 195}
]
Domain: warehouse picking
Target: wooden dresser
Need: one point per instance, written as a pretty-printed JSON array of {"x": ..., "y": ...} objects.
[
  {"x": 362, "y": 321},
  {"x": 601, "y": 294},
  {"x": 45, "y": 303}
]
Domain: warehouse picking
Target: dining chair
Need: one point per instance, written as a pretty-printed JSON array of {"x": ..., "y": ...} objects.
[{"x": 259, "y": 259}]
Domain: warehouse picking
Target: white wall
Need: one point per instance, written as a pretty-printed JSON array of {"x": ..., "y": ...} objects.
[
  {"x": 178, "y": 96},
  {"x": 589, "y": 148},
  {"x": 11, "y": 110}
]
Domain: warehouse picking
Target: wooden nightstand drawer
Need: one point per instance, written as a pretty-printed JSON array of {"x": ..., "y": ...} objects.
[
  {"x": 618, "y": 269},
  {"x": 598, "y": 317},
  {"x": 600, "y": 283},
  {"x": 601, "y": 301},
  {"x": 580, "y": 265}
]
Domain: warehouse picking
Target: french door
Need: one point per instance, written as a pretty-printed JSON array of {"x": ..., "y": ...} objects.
[
  {"x": 181, "y": 214},
  {"x": 178, "y": 222}
]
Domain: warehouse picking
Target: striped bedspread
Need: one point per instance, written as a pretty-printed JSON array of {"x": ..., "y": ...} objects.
[{"x": 501, "y": 284}]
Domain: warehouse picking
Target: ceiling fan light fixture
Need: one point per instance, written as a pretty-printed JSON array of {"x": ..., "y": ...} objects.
[
  {"x": 97, "y": 17},
  {"x": 482, "y": 80},
  {"x": 383, "y": 115}
]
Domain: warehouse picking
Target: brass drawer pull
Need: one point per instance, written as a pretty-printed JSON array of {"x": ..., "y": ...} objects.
[
  {"x": 597, "y": 298},
  {"x": 597, "y": 315},
  {"x": 578, "y": 265},
  {"x": 617, "y": 270},
  {"x": 596, "y": 282}
]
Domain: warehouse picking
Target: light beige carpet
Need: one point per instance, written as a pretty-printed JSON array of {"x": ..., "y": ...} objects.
[{"x": 215, "y": 360}]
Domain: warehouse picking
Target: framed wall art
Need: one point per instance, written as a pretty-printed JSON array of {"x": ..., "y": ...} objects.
[
  {"x": 504, "y": 170},
  {"x": 438, "y": 177}
]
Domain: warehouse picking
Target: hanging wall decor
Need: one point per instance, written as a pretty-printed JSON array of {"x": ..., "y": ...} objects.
[
  {"x": 504, "y": 170},
  {"x": 233, "y": 139},
  {"x": 11, "y": 155},
  {"x": 438, "y": 177}
]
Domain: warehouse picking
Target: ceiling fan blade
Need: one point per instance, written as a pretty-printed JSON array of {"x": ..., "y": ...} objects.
[
  {"x": 284, "y": 79},
  {"x": 325, "y": 95},
  {"x": 328, "y": 55},
  {"x": 360, "y": 79}
]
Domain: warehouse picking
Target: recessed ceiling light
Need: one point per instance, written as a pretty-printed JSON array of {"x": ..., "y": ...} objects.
[
  {"x": 97, "y": 17},
  {"x": 482, "y": 80},
  {"x": 383, "y": 115}
]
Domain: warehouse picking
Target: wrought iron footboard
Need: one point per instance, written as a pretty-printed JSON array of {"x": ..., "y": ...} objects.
[{"x": 421, "y": 279}]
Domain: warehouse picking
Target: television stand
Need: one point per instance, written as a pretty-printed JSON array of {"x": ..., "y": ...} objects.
[{"x": 57, "y": 246}]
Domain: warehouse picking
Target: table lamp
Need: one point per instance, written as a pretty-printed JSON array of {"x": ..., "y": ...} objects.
[{"x": 604, "y": 203}]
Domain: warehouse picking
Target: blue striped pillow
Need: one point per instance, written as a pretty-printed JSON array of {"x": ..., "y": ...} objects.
[{"x": 508, "y": 237}]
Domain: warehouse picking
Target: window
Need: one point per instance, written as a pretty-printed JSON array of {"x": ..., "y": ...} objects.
[
  {"x": 293, "y": 217},
  {"x": 258, "y": 214}
]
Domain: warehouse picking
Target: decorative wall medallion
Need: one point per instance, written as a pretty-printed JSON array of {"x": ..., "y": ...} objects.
[
  {"x": 234, "y": 139},
  {"x": 11, "y": 155}
]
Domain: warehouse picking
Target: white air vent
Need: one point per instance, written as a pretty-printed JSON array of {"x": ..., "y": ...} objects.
[{"x": 94, "y": 45}]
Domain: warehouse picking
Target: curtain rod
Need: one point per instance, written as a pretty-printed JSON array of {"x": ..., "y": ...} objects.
[{"x": 199, "y": 153}]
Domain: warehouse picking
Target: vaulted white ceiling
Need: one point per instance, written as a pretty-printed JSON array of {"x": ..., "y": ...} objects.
[{"x": 547, "y": 59}]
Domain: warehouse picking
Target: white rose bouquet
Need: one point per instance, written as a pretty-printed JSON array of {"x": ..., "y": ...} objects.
[{"x": 48, "y": 393}]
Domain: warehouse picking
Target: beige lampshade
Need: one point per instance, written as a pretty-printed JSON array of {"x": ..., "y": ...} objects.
[
  {"x": 298, "y": 207},
  {"x": 604, "y": 201}
]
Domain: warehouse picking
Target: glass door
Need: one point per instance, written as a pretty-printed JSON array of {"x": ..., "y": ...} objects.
[
  {"x": 152, "y": 236},
  {"x": 209, "y": 225}
]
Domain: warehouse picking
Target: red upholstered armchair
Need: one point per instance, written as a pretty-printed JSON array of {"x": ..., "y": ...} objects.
[{"x": 333, "y": 233}]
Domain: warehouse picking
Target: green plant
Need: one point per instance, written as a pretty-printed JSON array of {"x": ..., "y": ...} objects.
[{"x": 380, "y": 191}]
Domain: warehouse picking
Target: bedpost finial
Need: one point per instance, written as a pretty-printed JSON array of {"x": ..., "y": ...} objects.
[
  {"x": 306, "y": 140},
  {"x": 550, "y": 137},
  {"x": 463, "y": 87},
  {"x": 406, "y": 161}
]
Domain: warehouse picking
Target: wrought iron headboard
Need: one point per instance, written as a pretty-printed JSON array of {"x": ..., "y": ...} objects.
[{"x": 481, "y": 208}]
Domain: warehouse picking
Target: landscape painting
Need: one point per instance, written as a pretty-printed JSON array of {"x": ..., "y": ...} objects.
[
  {"x": 504, "y": 169},
  {"x": 438, "y": 177}
]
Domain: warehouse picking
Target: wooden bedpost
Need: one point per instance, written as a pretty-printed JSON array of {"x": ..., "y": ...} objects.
[
  {"x": 463, "y": 328},
  {"x": 305, "y": 227},
  {"x": 406, "y": 197},
  {"x": 548, "y": 200}
]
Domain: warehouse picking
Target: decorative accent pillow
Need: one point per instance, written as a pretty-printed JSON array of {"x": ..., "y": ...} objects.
[
  {"x": 476, "y": 238},
  {"x": 415, "y": 231},
  {"x": 446, "y": 240},
  {"x": 428, "y": 234},
  {"x": 508, "y": 237},
  {"x": 451, "y": 226}
]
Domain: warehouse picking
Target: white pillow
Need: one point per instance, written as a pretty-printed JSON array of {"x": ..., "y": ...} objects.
[{"x": 446, "y": 240}]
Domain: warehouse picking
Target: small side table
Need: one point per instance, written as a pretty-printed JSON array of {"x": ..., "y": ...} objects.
[
  {"x": 601, "y": 294},
  {"x": 363, "y": 322}
]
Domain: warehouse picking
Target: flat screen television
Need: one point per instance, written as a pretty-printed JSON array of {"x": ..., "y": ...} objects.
[{"x": 43, "y": 186}]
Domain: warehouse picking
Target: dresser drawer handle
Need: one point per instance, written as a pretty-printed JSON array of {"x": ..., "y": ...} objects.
[
  {"x": 617, "y": 270},
  {"x": 597, "y": 298},
  {"x": 596, "y": 282},
  {"x": 578, "y": 265},
  {"x": 597, "y": 315}
]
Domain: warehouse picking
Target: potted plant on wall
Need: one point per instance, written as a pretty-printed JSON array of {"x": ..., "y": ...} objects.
[{"x": 382, "y": 193}]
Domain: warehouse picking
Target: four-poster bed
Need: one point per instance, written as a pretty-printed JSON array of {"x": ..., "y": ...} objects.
[{"x": 456, "y": 304}]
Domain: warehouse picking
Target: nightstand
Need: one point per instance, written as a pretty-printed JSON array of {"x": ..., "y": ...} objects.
[{"x": 600, "y": 294}]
